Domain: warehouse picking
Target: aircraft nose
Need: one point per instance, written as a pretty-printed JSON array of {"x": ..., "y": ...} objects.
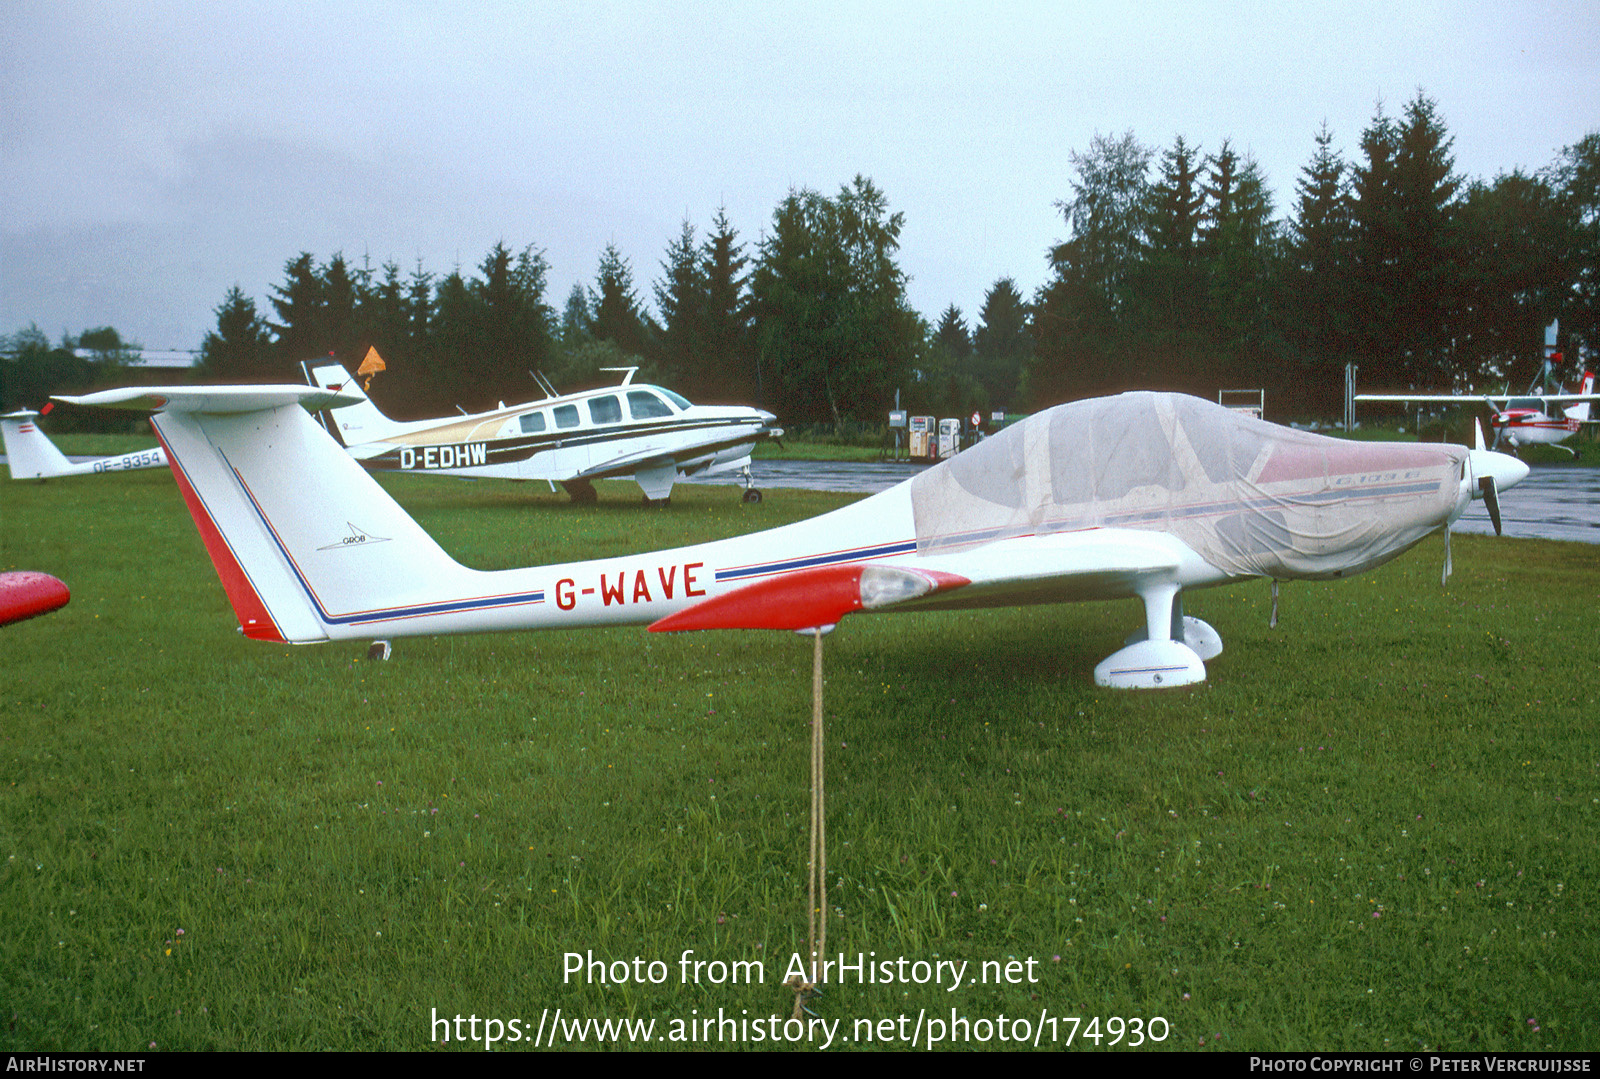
[{"x": 1507, "y": 470}]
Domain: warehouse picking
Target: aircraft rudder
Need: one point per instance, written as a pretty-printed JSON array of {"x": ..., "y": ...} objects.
[
  {"x": 355, "y": 423},
  {"x": 1582, "y": 410}
]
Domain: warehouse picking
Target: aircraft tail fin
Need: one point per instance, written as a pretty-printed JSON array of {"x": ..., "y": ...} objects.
[
  {"x": 353, "y": 424},
  {"x": 1580, "y": 411},
  {"x": 29, "y": 452},
  {"x": 307, "y": 545}
]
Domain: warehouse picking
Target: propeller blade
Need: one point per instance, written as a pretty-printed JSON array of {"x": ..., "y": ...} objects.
[{"x": 1491, "y": 500}]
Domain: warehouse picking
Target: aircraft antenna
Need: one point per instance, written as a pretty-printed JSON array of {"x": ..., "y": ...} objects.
[{"x": 544, "y": 384}]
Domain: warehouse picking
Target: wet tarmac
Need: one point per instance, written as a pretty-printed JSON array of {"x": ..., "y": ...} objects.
[{"x": 1554, "y": 502}]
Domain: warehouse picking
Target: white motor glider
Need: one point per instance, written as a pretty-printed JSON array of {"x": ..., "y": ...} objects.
[
  {"x": 32, "y": 456},
  {"x": 630, "y": 431},
  {"x": 1138, "y": 496}
]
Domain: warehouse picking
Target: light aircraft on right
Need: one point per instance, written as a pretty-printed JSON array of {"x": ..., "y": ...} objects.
[{"x": 1527, "y": 419}]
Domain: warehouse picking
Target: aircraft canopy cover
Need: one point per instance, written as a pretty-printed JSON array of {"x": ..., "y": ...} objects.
[{"x": 1250, "y": 497}]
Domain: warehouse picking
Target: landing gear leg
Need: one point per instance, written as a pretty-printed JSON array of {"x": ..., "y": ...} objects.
[
  {"x": 581, "y": 492},
  {"x": 1155, "y": 660},
  {"x": 751, "y": 495}
]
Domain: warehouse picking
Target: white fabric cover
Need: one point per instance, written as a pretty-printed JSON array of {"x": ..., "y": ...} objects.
[{"x": 1250, "y": 497}]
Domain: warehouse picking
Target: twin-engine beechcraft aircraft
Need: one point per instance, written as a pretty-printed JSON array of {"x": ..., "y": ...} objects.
[
  {"x": 1140, "y": 496},
  {"x": 32, "y": 456},
  {"x": 1531, "y": 419},
  {"x": 645, "y": 433}
]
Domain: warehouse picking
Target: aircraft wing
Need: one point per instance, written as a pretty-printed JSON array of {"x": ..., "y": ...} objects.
[
  {"x": 1440, "y": 398},
  {"x": 1100, "y": 563},
  {"x": 628, "y": 464},
  {"x": 1097, "y": 563},
  {"x": 1461, "y": 399},
  {"x": 653, "y": 458}
]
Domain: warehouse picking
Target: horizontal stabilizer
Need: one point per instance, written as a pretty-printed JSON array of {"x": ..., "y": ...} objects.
[{"x": 213, "y": 399}]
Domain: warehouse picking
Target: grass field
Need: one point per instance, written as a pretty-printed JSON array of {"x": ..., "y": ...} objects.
[{"x": 1375, "y": 827}]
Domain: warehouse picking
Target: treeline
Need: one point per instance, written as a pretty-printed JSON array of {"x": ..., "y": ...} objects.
[
  {"x": 1177, "y": 272},
  {"x": 813, "y": 323},
  {"x": 32, "y": 369}
]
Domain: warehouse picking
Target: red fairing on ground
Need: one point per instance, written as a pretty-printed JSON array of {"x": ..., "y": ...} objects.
[{"x": 26, "y": 594}]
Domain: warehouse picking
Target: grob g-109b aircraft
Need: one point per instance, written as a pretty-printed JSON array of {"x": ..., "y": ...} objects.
[
  {"x": 645, "y": 433},
  {"x": 1141, "y": 496}
]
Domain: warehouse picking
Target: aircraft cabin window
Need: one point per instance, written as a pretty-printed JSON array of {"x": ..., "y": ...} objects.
[
  {"x": 566, "y": 415},
  {"x": 681, "y": 402},
  {"x": 646, "y": 406},
  {"x": 532, "y": 423},
  {"x": 605, "y": 410}
]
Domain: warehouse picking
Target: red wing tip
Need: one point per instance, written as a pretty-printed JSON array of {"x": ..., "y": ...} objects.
[
  {"x": 809, "y": 598},
  {"x": 27, "y": 594}
]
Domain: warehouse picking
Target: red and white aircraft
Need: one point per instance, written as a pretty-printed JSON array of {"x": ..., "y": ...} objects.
[
  {"x": 1139, "y": 496},
  {"x": 1530, "y": 419},
  {"x": 32, "y": 456}
]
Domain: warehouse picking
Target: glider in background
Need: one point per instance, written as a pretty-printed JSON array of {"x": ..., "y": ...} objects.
[
  {"x": 644, "y": 433},
  {"x": 1138, "y": 496},
  {"x": 32, "y": 456}
]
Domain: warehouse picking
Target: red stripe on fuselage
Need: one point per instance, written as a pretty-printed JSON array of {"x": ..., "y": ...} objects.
[{"x": 252, "y": 613}]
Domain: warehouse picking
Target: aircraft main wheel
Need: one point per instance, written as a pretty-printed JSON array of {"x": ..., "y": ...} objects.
[
  {"x": 658, "y": 502},
  {"x": 752, "y": 495}
]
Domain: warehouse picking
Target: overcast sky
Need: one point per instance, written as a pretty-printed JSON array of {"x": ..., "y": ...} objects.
[{"x": 153, "y": 153}]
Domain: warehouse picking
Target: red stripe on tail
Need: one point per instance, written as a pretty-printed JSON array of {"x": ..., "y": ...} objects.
[{"x": 253, "y": 616}]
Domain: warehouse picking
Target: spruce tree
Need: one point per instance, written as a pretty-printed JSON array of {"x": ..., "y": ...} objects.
[
  {"x": 730, "y": 361},
  {"x": 682, "y": 300}
]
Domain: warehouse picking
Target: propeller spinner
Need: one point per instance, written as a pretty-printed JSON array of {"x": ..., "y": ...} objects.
[{"x": 1493, "y": 473}]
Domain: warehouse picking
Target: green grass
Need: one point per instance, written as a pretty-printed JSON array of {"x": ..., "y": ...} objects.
[{"x": 1373, "y": 828}]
